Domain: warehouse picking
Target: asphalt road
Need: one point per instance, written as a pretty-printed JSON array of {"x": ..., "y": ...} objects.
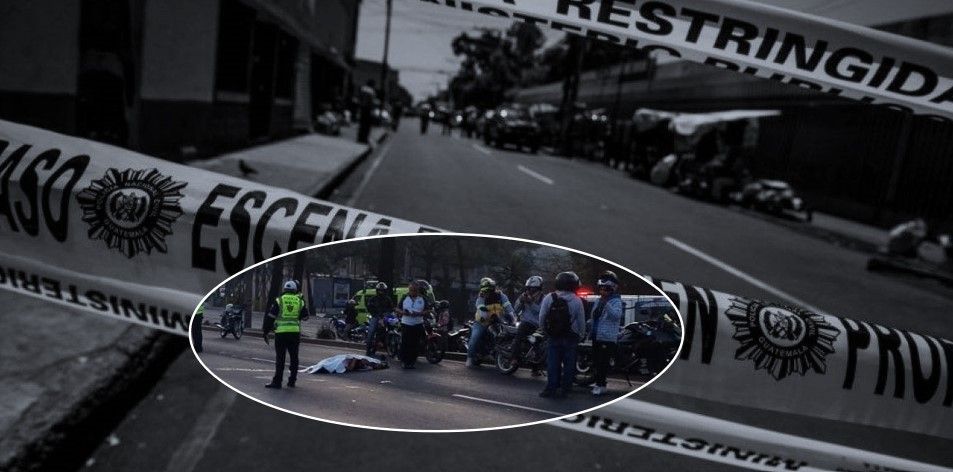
[
  {"x": 458, "y": 184},
  {"x": 444, "y": 396}
]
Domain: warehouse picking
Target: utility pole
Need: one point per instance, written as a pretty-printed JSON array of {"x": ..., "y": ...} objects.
[{"x": 384, "y": 85}]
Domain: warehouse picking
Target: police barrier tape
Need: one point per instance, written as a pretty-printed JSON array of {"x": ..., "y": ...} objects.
[
  {"x": 780, "y": 357},
  {"x": 117, "y": 233},
  {"x": 706, "y": 438},
  {"x": 802, "y": 50}
]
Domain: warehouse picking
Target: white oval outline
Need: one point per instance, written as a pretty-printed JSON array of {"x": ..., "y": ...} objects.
[{"x": 675, "y": 358}]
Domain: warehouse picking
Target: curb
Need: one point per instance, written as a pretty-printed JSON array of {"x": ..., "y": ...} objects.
[
  {"x": 334, "y": 182},
  {"x": 70, "y": 441}
]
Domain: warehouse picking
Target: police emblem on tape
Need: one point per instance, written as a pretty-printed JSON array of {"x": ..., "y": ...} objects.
[
  {"x": 781, "y": 339},
  {"x": 132, "y": 210}
]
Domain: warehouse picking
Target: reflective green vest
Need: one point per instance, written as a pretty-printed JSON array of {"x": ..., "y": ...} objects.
[{"x": 289, "y": 309}]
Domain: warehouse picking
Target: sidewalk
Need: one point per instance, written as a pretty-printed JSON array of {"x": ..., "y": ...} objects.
[
  {"x": 66, "y": 375},
  {"x": 307, "y": 164},
  {"x": 63, "y": 372}
]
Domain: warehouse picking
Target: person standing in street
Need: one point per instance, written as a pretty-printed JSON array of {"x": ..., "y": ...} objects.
[
  {"x": 377, "y": 308},
  {"x": 398, "y": 112},
  {"x": 563, "y": 318},
  {"x": 196, "y": 327},
  {"x": 366, "y": 97},
  {"x": 606, "y": 318},
  {"x": 286, "y": 314},
  {"x": 412, "y": 310},
  {"x": 424, "y": 118}
]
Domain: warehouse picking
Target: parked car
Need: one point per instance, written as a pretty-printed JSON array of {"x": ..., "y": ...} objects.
[{"x": 512, "y": 125}]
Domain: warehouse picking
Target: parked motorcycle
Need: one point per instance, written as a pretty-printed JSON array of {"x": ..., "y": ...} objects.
[
  {"x": 533, "y": 351},
  {"x": 430, "y": 345},
  {"x": 644, "y": 349},
  {"x": 339, "y": 327},
  {"x": 232, "y": 322}
]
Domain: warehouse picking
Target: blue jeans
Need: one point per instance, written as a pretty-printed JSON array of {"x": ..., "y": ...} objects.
[
  {"x": 372, "y": 322},
  {"x": 474, "y": 345},
  {"x": 561, "y": 362}
]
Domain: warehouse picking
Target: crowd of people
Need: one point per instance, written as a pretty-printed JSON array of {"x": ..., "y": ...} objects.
[{"x": 559, "y": 315}]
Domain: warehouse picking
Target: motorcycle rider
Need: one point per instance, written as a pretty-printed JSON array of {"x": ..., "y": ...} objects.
[
  {"x": 223, "y": 320},
  {"x": 606, "y": 317},
  {"x": 377, "y": 307},
  {"x": 490, "y": 304},
  {"x": 563, "y": 318},
  {"x": 286, "y": 314},
  {"x": 527, "y": 308}
]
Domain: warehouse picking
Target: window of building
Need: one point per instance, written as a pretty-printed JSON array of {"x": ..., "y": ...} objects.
[
  {"x": 287, "y": 59},
  {"x": 235, "y": 25}
]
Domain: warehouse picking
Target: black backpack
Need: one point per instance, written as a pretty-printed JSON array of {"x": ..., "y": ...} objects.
[{"x": 558, "y": 319}]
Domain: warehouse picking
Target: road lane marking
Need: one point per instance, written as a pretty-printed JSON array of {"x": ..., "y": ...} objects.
[
  {"x": 511, "y": 405},
  {"x": 240, "y": 369},
  {"x": 742, "y": 275},
  {"x": 192, "y": 449},
  {"x": 542, "y": 178},
  {"x": 270, "y": 361},
  {"x": 482, "y": 149},
  {"x": 369, "y": 174}
]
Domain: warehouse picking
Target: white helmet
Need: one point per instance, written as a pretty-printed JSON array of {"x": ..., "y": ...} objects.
[
  {"x": 291, "y": 286},
  {"x": 534, "y": 282}
]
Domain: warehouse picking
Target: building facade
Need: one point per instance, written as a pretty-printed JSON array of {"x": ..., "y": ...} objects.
[{"x": 175, "y": 78}]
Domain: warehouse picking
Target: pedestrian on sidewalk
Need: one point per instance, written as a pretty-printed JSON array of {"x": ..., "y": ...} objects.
[
  {"x": 412, "y": 310},
  {"x": 606, "y": 318},
  {"x": 366, "y": 97},
  {"x": 285, "y": 316},
  {"x": 563, "y": 318}
]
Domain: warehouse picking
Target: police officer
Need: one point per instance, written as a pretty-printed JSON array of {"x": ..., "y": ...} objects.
[
  {"x": 286, "y": 314},
  {"x": 196, "y": 327}
]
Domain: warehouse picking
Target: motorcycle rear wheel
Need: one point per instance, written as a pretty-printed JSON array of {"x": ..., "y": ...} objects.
[
  {"x": 434, "y": 355},
  {"x": 237, "y": 334}
]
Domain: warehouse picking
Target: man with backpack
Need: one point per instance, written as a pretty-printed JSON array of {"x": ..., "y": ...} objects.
[{"x": 563, "y": 318}]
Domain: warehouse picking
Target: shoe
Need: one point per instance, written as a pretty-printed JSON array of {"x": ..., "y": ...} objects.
[
  {"x": 470, "y": 363},
  {"x": 291, "y": 384},
  {"x": 273, "y": 385},
  {"x": 599, "y": 390},
  {"x": 547, "y": 393}
]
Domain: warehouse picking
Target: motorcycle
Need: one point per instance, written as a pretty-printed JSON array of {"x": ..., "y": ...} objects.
[
  {"x": 392, "y": 334},
  {"x": 487, "y": 351},
  {"x": 430, "y": 345},
  {"x": 534, "y": 355},
  {"x": 339, "y": 327},
  {"x": 232, "y": 322},
  {"x": 644, "y": 349},
  {"x": 457, "y": 340}
]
